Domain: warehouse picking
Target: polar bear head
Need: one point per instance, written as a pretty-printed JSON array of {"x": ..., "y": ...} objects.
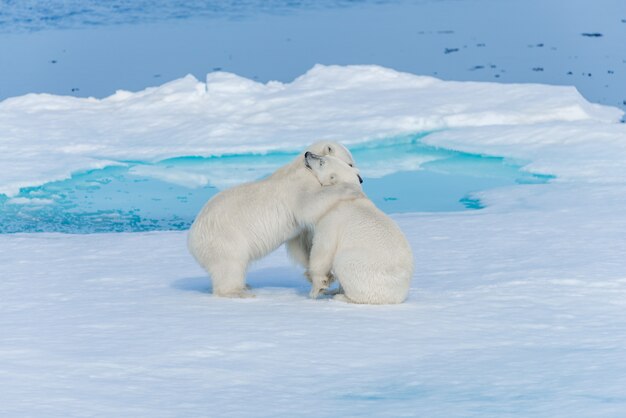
[
  {"x": 332, "y": 148},
  {"x": 330, "y": 170}
]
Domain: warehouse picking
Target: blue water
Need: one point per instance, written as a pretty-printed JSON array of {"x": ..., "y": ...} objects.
[
  {"x": 36, "y": 15},
  {"x": 92, "y": 48},
  {"x": 117, "y": 199}
]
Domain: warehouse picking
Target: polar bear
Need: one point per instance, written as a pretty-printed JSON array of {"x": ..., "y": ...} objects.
[
  {"x": 357, "y": 244},
  {"x": 249, "y": 221}
]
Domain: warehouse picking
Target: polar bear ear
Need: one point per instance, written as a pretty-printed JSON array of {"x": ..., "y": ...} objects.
[{"x": 330, "y": 150}]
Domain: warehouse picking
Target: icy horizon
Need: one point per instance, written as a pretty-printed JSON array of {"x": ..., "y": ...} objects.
[{"x": 135, "y": 45}]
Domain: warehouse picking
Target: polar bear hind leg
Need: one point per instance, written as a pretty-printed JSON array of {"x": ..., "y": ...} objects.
[
  {"x": 229, "y": 279},
  {"x": 364, "y": 281}
]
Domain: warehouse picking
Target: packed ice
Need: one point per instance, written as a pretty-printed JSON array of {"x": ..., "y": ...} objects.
[{"x": 516, "y": 309}]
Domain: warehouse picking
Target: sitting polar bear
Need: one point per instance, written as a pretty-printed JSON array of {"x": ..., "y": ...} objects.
[
  {"x": 357, "y": 244},
  {"x": 249, "y": 221}
]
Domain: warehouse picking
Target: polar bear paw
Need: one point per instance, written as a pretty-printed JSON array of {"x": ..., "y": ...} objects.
[
  {"x": 319, "y": 284},
  {"x": 342, "y": 298},
  {"x": 315, "y": 292}
]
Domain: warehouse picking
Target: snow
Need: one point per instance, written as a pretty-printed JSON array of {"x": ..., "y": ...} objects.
[
  {"x": 231, "y": 115},
  {"x": 513, "y": 312}
]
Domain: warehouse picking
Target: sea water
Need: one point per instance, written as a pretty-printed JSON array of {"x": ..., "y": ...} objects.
[{"x": 400, "y": 175}]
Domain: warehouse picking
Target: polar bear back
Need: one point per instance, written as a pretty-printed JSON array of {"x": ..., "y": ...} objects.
[
  {"x": 238, "y": 219},
  {"x": 373, "y": 260}
]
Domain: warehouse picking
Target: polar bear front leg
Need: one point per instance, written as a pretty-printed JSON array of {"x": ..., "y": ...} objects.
[{"x": 321, "y": 262}]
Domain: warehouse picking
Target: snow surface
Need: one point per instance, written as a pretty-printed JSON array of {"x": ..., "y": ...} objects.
[
  {"x": 230, "y": 114},
  {"x": 515, "y": 310},
  {"x": 512, "y": 313}
]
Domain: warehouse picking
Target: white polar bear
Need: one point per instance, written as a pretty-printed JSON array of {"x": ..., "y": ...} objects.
[
  {"x": 249, "y": 221},
  {"x": 358, "y": 245}
]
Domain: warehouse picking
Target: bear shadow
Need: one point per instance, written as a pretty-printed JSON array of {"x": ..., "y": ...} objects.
[
  {"x": 271, "y": 277},
  {"x": 193, "y": 284}
]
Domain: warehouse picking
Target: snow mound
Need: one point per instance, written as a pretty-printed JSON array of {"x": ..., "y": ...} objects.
[{"x": 229, "y": 114}]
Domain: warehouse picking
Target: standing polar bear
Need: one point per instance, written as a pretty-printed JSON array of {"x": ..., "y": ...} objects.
[
  {"x": 249, "y": 221},
  {"x": 357, "y": 244}
]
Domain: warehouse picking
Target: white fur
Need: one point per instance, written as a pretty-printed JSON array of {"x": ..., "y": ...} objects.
[
  {"x": 360, "y": 246},
  {"x": 247, "y": 222}
]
